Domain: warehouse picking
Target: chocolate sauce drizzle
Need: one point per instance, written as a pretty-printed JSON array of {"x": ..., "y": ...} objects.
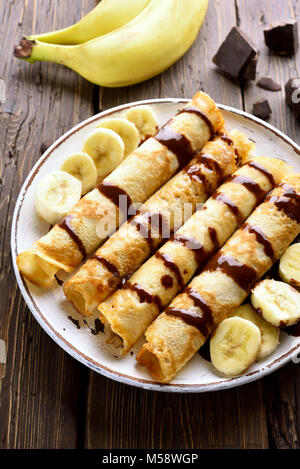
[
  {"x": 196, "y": 110},
  {"x": 143, "y": 295},
  {"x": 145, "y": 222},
  {"x": 226, "y": 139},
  {"x": 66, "y": 225},
  {"x": 177, "y": 143},
  {"x": 288, "y": 202},
  {"x": 250, "y": 184},
  {"x": 172, "y": 266},
  {"x": 214, "y": 237},
  {"x": 195, "y": 174},
  {"x": 220, "y": 196},
  {"x": 194, "y": 171},
  {"x": 196, "y": 247},
  {"x": 167, "y": 281},
  {"x": 210, "y": 163},
  {"x": 115, "y": 194},
  {"x": 203, "y": 322},
  {"x": 108, "y": 265},
  {"x": 261, "y": 239},
  {"x": 263, "y": 170},
  {"x": 242, "y": 274}
]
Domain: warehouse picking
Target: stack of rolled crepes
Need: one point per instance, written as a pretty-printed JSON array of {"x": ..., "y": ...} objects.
[
  {"x": 134, "y": 180},
  {"x": 159, "y": 217},
  {"x": 178, "y": 333},
  {"x": 127, "y": 313}
]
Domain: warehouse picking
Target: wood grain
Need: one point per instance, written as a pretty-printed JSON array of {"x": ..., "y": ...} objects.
[{"x": 47, "y": 399}]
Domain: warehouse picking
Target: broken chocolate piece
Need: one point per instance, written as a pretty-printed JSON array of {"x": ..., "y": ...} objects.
[
  {"x": 292, "y": 95},
  {"x": 262, "y": 109},
  {"x": 237, "y": 56},
  {"x": 268, "y": 84},
  {"x": 282, "y": 38},
  {"x": 250, "y": 72}
]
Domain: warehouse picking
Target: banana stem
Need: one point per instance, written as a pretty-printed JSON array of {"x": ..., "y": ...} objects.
[{"x": 32, "y": 51}]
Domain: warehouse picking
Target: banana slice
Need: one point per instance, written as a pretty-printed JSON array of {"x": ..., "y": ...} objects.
[
  {"x": 127, "y": 131},
  {"x": 106, "y": 148},
  {"x": 277, "y": 302},
  {"x": 144, "y": 119},
  {"x": 234, "y": 346},
  {"x": 289, "y": 266},
  {"x": 81, "y": 166},
  {"x": 269, "y": 333},
  {"x": 56, "y": 194}
]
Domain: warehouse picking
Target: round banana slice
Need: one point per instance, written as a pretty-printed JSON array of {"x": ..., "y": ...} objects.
[
  {"x": 277, "y": 302},
  {"x": 269, "y": 333},
  {"x": 106, "y": 148},
  {"x": 234, "y": 346},
  {"x": 56, "y": 194},
  {"x": 81, "y": 166},
  {"x": 144, "y": 119},
  {"x": 127, "y": 131},
  {"x": 289, "y": 266}
]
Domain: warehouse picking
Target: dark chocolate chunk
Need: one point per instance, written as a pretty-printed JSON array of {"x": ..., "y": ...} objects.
[
  {"x": 282, "y": 38},
  {"x": 292, "y": 95},
  {"x": 237, "y": 56},
  {"x": 268, "y": 84},
  {"x": 262, "y": 109},
  {"x": 250, "y": 72}
]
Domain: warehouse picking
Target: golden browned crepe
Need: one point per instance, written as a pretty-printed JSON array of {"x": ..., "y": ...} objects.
[
  {"x": 127, "y": 313},
  {"x": 162, "y": 214},
  {"x": 134, "y": 180},
  {"x": 178, "y": 333}
]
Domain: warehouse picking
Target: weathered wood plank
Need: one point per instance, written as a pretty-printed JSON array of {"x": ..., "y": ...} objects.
[
  {"x": 120, "y": 416},
  {"x": 39, "y": 389}
]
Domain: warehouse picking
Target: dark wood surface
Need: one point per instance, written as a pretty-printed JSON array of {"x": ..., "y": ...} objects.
[{"x": 49, "y": 400}]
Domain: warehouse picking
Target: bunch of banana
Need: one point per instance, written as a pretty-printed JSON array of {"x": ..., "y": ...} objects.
[
  {"x": 158, "y": 33},
  {"x": 107, "y": 16}
]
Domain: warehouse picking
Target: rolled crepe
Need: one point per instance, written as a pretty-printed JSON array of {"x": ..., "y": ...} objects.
[
  {"x": 127, "y": 313},
  {"x": 134, "y": 180},
  {"x": 178, "y": 333},
  {"x": 162, "y": 214}
]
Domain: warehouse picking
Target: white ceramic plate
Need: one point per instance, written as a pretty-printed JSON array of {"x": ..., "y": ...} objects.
[{"x": 52, "y": 310}]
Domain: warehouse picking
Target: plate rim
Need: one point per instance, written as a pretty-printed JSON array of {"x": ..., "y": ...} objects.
[{"x": 68, "y": 347}]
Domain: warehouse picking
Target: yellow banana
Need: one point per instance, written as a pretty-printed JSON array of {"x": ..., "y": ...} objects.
[
  {"x": 139, "y": 50},
  {"x": 107, "y": 16}
]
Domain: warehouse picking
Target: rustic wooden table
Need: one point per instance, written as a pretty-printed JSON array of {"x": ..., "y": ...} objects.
[{"x": 49, "y": 400}]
